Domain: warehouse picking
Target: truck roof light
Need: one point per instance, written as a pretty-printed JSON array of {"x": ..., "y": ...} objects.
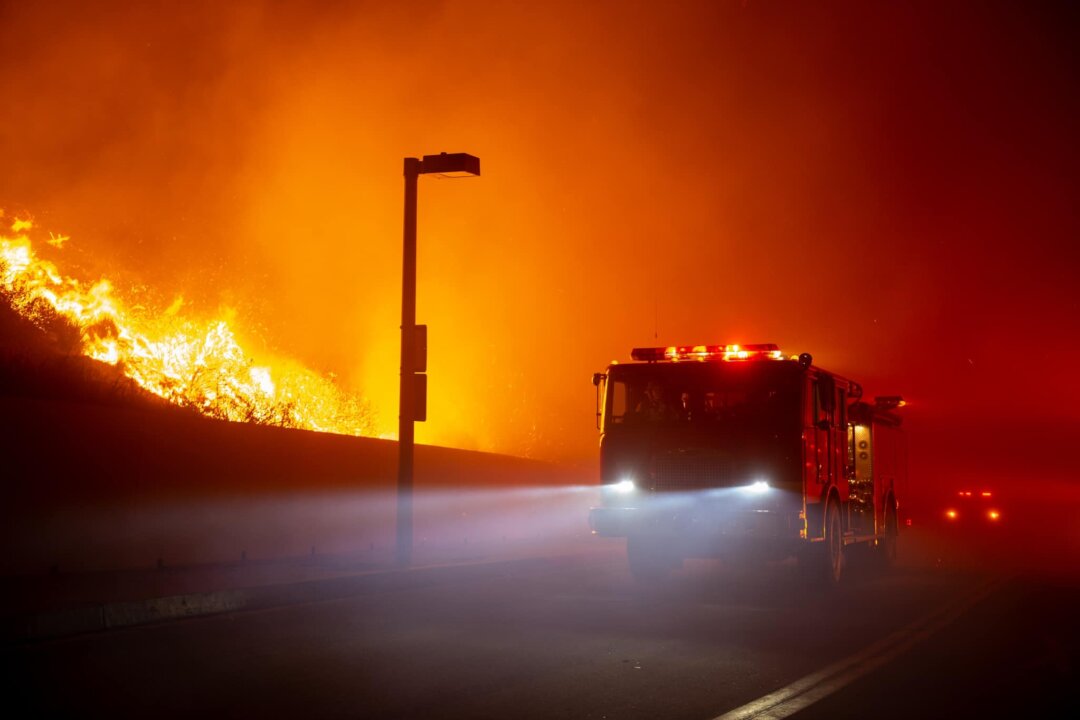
[
  {"x": 889, "y": 402},
  {"x": 677, "y": 353}
]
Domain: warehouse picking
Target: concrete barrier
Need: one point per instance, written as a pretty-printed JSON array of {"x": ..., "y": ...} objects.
[{"x": 96, "y": 487}]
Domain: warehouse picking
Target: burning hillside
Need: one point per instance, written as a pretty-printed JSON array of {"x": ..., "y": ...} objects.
[{"x": 198, "y": 364}]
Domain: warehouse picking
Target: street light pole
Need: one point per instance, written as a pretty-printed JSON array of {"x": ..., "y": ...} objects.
[
  {"x": 406, "y": 435},
  {"x": 413, "y": 390}
]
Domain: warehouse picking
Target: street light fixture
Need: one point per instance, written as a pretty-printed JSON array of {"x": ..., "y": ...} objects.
[{"x": 413, "y": 398}]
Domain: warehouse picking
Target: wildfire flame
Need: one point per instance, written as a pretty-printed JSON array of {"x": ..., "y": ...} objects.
[{"x": 193, "y": 364}]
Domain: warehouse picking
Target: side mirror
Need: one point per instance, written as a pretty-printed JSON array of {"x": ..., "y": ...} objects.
[{"x": 597, "y": 380}]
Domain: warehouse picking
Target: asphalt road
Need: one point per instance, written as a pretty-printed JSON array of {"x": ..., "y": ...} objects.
[
  {"x": 1014, "y": 655},
  {"x": 578, "y": 639}
]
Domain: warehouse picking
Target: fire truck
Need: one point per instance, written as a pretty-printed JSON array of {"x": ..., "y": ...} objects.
[{"x": 739, "y": 452}]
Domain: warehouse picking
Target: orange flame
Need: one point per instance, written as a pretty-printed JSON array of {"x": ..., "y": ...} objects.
[{"x": 192, "y": 364}]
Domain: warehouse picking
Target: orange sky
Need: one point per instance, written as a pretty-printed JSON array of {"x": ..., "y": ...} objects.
[{"x": 889, "y": 188}]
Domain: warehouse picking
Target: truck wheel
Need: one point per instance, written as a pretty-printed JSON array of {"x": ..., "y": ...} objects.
[
  {"x": 888, "y": 545},
  {"x": 834, "y": 545},
  {"x": 649, "y": 563}
]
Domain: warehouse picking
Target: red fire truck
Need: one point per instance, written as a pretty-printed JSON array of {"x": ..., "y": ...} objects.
[{"x": 738, "y": 451}]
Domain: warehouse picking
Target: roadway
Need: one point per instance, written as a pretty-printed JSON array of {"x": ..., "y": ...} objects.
[{"x": 574, "y": 637}]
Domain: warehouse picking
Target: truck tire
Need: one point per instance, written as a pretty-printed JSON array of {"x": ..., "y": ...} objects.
[
  {"x": 649, "y": 561},
  {"x": 833, "y": 555},
  {"x": 889, "y": 543}
]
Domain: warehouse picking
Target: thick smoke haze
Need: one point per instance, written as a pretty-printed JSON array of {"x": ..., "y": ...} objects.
[{"x": 890, "y": 187}]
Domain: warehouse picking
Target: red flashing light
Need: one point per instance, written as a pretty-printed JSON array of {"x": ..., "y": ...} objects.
[
  {"x": 951, "y": 514},
  {"x": 679, "y": 353}
]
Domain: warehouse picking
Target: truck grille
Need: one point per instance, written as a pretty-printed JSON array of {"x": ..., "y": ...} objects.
[{"x": 685, "y": 473}]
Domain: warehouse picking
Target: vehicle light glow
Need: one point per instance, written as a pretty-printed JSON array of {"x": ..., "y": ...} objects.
[
  {"x": 624, "y": 486},
  {"x": 951, "y": 514},
  {"x": 994, "y": 515},
  {"x": 757, "y": 487},
  {"x": 677, "y": 353}
]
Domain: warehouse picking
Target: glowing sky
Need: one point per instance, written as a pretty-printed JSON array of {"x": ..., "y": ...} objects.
[{"x": 890, "y": 187}]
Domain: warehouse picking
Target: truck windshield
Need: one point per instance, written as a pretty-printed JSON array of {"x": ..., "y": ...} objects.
[{"x": 703, "y": 395}]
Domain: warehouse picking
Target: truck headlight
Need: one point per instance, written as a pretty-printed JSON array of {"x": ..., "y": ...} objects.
[
  {"x": 624, "y": 486},
  {"x": 756, "y": 488}
]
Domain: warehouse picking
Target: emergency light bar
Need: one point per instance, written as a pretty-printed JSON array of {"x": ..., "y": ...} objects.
[{"x": 676, "y": 353}]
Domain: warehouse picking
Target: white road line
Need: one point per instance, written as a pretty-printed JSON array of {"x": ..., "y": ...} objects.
[{"x": 807, "y": 690}]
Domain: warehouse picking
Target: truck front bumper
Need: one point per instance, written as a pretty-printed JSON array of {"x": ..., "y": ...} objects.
[{"x": 692, "y": 522}]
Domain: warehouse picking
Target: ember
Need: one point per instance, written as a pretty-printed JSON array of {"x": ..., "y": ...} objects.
[{"x": 193, "y": 364}]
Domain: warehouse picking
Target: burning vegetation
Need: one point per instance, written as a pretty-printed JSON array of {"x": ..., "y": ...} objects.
[{"x": 191, "y": 363}]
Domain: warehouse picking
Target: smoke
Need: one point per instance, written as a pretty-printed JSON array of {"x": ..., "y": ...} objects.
[{"x": 888, "y": 188}]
